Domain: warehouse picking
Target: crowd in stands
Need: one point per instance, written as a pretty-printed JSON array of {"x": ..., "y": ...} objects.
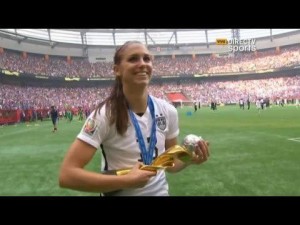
[
  {"x": 15, "y": 97},
  {"x": 227, "y": 92},
  {"x": 163, "y": 66}
]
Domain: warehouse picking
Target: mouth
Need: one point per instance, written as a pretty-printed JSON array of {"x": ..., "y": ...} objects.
[{"x": 142, "y": 74}]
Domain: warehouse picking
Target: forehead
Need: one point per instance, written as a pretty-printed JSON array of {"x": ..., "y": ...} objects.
[{"x": 135, "y": 48}]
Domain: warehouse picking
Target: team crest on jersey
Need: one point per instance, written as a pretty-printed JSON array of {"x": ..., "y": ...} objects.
[
  {"x": 161, "y": 122},
  {"x": 90, "y": 126}
]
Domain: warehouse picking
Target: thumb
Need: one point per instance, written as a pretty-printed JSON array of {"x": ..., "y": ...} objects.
[{"x": 137, "y": 165}]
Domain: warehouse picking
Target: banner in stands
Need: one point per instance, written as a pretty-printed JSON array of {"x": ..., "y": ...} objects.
[{"x": 9, "y": 116}]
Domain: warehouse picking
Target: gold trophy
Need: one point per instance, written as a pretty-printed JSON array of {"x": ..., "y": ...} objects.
[{"x": 182, "y": 152}]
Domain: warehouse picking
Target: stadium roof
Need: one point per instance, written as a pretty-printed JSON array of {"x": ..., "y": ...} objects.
[{"x": 115, "y": 37}]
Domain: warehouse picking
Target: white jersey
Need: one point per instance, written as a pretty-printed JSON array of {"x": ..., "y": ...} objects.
[{"x": 120, "y": 152}]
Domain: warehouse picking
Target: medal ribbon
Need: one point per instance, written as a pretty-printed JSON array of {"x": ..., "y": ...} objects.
[{"x": 147, "y": 155}]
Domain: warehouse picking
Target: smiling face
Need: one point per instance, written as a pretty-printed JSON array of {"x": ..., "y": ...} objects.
[{"x": 133, "y": 63}]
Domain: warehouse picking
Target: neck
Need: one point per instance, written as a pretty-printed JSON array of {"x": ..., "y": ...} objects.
[{"x": 137, "y": 101}]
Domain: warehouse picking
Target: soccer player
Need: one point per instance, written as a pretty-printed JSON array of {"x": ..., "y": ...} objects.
[
  {"x": 132, "y": 128},
  {"x": 54, "y": 117}
]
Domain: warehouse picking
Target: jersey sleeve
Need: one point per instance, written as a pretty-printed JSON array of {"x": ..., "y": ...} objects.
[{"x": 95, "y": 129}]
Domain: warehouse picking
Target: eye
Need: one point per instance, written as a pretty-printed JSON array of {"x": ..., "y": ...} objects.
[
  {"x": 136, "y": 58},
  {"x": 147, "y": 58},
  {"x": 133, "y": 59}
]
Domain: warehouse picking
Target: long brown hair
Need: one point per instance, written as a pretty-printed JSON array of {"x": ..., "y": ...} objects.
[{"x": 116, "y": 104}]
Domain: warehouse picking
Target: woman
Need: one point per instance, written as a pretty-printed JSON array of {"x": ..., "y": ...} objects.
[{"x": 132, "y": 128}]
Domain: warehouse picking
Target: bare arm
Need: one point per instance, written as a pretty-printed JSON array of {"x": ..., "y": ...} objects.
[
  {"x": 179, "y": 165},
  {"x": 74, "y": 176}
]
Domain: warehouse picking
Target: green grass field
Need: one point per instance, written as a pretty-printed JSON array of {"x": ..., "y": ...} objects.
[{"x": 251, "y": 155}]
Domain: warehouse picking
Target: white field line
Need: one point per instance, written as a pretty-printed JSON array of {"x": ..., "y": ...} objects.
[{"x": 294, "y": 139}]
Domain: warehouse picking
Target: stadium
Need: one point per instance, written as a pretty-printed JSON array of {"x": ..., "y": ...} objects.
[{"x": 237, "y": 88}]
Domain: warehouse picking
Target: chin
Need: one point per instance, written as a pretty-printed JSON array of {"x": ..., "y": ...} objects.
[
  {"x": 143, "y": 80},
  {"x": 142, "y": 83}
]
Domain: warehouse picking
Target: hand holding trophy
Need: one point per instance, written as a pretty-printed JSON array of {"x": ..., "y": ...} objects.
[
  {"x": 190, "y": 142},
  {"x": 184, "y": 152}
]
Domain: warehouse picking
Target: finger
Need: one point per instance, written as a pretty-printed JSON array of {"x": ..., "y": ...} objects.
[
  {"x": 138, "y": 165},
  {"x": 207, "y": 145},
  {"x": 199, "y": 157},
  {"x": 204, "y": 149}
]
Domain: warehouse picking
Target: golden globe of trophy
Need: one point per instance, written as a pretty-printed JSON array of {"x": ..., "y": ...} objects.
[{"x": 183, "y": 152}]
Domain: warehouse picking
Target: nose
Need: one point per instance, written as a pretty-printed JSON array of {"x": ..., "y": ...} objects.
[{"x": 142, "y": 61}]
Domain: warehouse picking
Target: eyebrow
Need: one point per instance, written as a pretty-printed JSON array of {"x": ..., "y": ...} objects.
[{"x": 136, "y": 54}]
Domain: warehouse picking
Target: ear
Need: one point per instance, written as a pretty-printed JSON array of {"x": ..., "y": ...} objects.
[{"x": 117, "y": 70}]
